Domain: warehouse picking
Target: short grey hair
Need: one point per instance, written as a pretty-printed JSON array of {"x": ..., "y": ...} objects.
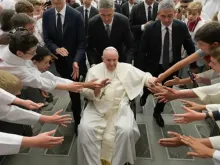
[
  {"x": 166, "y": 4},
  {"x": 106, "y": 4},
  {"x": 110, "y": 48}
]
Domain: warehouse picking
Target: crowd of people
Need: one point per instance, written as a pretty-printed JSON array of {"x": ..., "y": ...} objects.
[{"x": 109, "y": 52}]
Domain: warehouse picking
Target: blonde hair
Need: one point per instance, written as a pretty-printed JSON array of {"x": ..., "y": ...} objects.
[
  {"x": 195, "y": 6},
  {"x": 10, "y": 82}
]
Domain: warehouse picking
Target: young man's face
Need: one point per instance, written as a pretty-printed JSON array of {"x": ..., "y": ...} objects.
[
  {"x": 183, "y": 7},
  {"x": 28, "y": 55},
  {"x": 192, "y": 15},
  {"x": 214, "y": 64}
]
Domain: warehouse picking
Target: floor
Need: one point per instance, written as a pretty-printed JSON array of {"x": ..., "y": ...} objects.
[{"x": 147, "y": 149}]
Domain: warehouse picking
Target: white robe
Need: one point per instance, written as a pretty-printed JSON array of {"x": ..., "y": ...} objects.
[
  {"x": 215, "y": 141},
  {"x": 211, "y": 7},
  {"x": 17, "y": 66},
  {"x": 5, "y": 97},
  {"x": 9, "y": 143},
  {"x": 208, "y": 94},
  {"x": 97, "y": 129},
  {"x": 48, "y": 75}
]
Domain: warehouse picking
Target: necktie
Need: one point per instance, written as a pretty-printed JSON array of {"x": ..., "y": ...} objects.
[
  {"x": 107, "y": 28},
  {"x": 59, "y": 27},
  {"x": 149, "y": 14},
  {"x": 166, "y": 52},
  {"x": 86, "y": 21}
]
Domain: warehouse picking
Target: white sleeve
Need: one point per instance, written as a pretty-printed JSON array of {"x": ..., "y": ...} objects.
[
  {"x": 142, "y": 27},
  {"x": 209, "y": 74},
  {"x": 57, "y": 79},
  {"x": 5, "y": 97},
  {"x": 212, "y": 107},
  {"x": 215, "y": 141},
  {"x": 208, "y": 94},
  {"x": 14, "y": 114},
  {"x": 216, "y": 157},
  {"x": 36, "y": 81},
  {"x": 89, "y": 93},
  {"x": 9, "y": 143}
]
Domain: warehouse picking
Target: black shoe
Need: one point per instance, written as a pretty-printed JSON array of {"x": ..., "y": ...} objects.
[
  {"x": 143, "y": 100},
  {"x": 159, "y": 120}
]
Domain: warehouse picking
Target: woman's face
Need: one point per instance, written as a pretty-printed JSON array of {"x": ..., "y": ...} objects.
[
  {"x": 45, "y": 64},
  {"x": 214, "y": 64}
]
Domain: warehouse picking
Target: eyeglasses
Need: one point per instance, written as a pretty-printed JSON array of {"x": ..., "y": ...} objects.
[{"x": 31, "y": 53}]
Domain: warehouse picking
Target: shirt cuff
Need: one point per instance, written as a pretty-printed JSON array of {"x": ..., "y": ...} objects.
[
  {"x": 216, "y": 155},
  {"x": 215, "y": 142},
  {"x": 142, "y": 27}
]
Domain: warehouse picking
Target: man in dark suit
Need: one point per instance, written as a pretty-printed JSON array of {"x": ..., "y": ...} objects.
[
  {"x": 87, "y": 11},
  {"x": 126, "y": 8},
  {"x": 64, "y": 35},
  {"x": 161, "y": 46},
  {"x": 141, "y": 15},
  {"x": 109, "y": 29}
]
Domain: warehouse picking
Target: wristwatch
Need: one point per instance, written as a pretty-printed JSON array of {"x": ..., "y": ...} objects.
[{"x": 207, "y": 116}]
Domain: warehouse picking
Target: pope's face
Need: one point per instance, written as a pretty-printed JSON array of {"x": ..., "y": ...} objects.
[{"x": 110, "y": 58}]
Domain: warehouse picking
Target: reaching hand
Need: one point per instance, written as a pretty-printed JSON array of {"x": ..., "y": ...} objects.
[
  {"x": 200, "y": 150},
  {"x": 189, "y": 116},
  {"x": 75, "y": 87},
  {"x": 92, "y": 84},
  {"x": 156, "y": 88},
  {"x": 105, "y": 82},
  {"x": 30, "y": 104},
  {"x": 56, "y": 118},
  {"x": 44, "y": 94},
  {"x": 166, "y": 95},
  {"x": 75, "y": 73},
  {"x": 174, "y": 141},
  {"x": 161, "y": 78},
  {"x": 193, "y": 105},
  {"x": 174, "y": 81},
  {"x": 46, "y": 140}
]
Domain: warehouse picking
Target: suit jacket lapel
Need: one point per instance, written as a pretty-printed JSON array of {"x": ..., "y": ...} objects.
[
  {"x": 66, "y": 20},
  {"x": 143, "y": 12},
  {"x": 91, "y": 13},
  {"x": 53, "y": 21},
  {"x": 155, "y": 9},
  {"x": 174, "y": 34},
  {"x": 127, "y": 8},
  {"x": 82, "y": 11},
  {"x": 113, "y": 28}
]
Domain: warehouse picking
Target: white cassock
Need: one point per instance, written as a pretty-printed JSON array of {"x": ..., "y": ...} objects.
[
  {"x": 8, "y": 4},
  {"x": 211, "y": 75},
  {"x": 5, "y": 97},
  {"x": 215, "y": 141},
  {"x": 17, "y": 66},
  {"x": 9, "y": 143},
  {"x": 108, "y": 131},
  {"x": 211, "y": 7},
  {"x": 208, "y": 94},
  {"x": 48, "y": 75}
]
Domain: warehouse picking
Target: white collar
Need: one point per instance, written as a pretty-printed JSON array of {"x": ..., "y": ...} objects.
[
  {"x": 89, "y": 8},
  {"x": 11, "y": 58},
  {"x": 146, "y": 5},
  {"x": 62, "y": 12},
  {"x": 164, "y": 27}
]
